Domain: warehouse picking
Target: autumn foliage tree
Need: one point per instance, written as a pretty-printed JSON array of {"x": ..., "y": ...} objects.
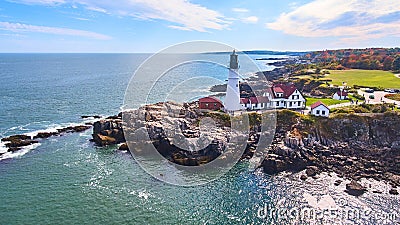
[
  {"x": 370, "y": 58},
  {"x": 396, "y": 63},
  {"x": 387, "y": 63}
]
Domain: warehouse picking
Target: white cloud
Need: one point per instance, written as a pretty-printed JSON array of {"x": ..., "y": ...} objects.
[
  {"x": 181, "y": 13},
  {"x": 21, "y": 28},
  {"x": 347, "y": 19},
  {"x": 96, "y": 9},
  {"x": 250, "y": 19},
  {"x": 81, "y": 18},
  {"x": 241, "y": 10},
  {"x": 178, "y": 27},
  {"x": 39, "y": 2}
]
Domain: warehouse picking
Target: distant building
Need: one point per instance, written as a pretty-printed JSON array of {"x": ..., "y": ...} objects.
[
  {"x": 341, "y": 94},
  {"x": 210, "y": 103},
  {"x": 319, "y": 109}
]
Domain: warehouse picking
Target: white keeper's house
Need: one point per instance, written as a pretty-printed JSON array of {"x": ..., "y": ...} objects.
[
  {"x": 285, "y": 96},
  {"x": 319, "y": 109}
]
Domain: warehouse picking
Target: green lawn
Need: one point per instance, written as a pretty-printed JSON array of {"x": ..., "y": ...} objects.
[
  {"x": 326, "y": 101},
  {"x": 370, "y": 78}
]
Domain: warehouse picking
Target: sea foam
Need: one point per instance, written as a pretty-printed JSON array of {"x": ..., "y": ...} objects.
[
  {"x": 19, "y": 153},
  {"x": 4, "y": 154}
]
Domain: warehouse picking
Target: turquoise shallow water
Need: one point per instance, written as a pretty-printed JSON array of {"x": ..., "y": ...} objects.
[{"x": 66, "y": 180}]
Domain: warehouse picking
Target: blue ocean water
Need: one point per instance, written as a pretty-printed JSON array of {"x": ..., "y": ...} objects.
[{"x": 67, "y": 180}]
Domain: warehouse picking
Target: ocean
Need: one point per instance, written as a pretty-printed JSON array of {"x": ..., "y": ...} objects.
[{"x": 68, "y": 180}]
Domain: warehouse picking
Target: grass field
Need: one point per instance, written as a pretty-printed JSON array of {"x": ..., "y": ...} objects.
[
  {"x": 370, "y": 78},
  {"x": 326, "y": 101}
]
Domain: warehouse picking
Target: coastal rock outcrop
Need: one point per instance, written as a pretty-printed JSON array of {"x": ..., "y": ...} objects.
[
  {"x": 180, "y": 132},
  {"x": 353, "y": 146},
  {"x": 16, "y": 142}
]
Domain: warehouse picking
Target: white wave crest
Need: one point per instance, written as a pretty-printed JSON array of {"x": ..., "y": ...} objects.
[{"x": 19, "y": 153}]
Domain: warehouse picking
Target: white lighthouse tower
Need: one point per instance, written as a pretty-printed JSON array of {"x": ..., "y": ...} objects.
[{"x": 232, "y": 99}]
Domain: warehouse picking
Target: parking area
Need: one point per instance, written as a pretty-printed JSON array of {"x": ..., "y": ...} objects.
[{"x": 377, "y": 97}]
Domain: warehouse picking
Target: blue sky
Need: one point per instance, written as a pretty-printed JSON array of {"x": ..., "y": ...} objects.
[{"x": 151, "y": 25}]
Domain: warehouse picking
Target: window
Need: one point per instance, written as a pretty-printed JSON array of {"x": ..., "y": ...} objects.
[
  {"x": 290, "y": 104},
  {"x": 298, "y": 103},
  {"x": 317, "y": 112},
  {"x": 206, "y": 105},
  {"x": 277, "y": 103},
  {"x": 323, "y": 112},
  {"x": 215, "y": 104}
]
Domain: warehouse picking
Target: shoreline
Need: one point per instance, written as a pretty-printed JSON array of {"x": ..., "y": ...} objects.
[{"x": 297, "y": 145}]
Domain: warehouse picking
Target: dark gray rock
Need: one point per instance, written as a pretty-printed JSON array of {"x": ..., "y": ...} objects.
[{"x": 355, "y": 189}]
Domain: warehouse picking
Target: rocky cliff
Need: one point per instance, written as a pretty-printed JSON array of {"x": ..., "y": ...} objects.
[
  {"x": 353, "y": 146},
  {"x": 181, "y": 133}
]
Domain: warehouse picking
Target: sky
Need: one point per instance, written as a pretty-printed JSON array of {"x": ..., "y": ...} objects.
[{"x": 152, "y": 25}]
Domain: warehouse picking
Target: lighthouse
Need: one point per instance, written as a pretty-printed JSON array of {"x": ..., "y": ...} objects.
[{"x": 232, "y": 99}]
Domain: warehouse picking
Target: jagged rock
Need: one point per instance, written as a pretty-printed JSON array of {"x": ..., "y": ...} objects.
[
  {"x": 95, "y": 117},
  {"x": 184, "y": 161},
  {"x": 14, "y": 145},
  {"x": 312, "y": 171},
  {"x": 355, "y": 189},
  {"x": 273, "y": 166},
  {"x": 393, "y": 192},
  {"x": 16, "y": 141},
  {"x": 123, "y": 147},
  {"x": 303, "y": 177},
  {"x": 337, "y": 182},
  {"x": 72, "y": 129},
  {"x": 16, "y": 138},
  {"x": 102, "y": 140},
  {"x": 45, "y": 135}
]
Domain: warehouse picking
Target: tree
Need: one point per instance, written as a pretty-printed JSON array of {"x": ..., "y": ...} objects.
[
  {"x": 396, "y": 63},
  {"x": 387, "y": 63}
]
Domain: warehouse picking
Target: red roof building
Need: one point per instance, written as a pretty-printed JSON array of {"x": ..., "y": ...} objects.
[
  {"x": 261, "y": 99},
  {"x": 286, "y": 89},
  {"x": 244, "y": 101},
  {"x": 285, "y": 95},
  {"x": 278, "y": 89},
  {"x": 211, "y": 103},
  {"x": 342, "y": 93},
  {"x": 316, "y": 104},
  {"x": 319, "y": 109}
]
